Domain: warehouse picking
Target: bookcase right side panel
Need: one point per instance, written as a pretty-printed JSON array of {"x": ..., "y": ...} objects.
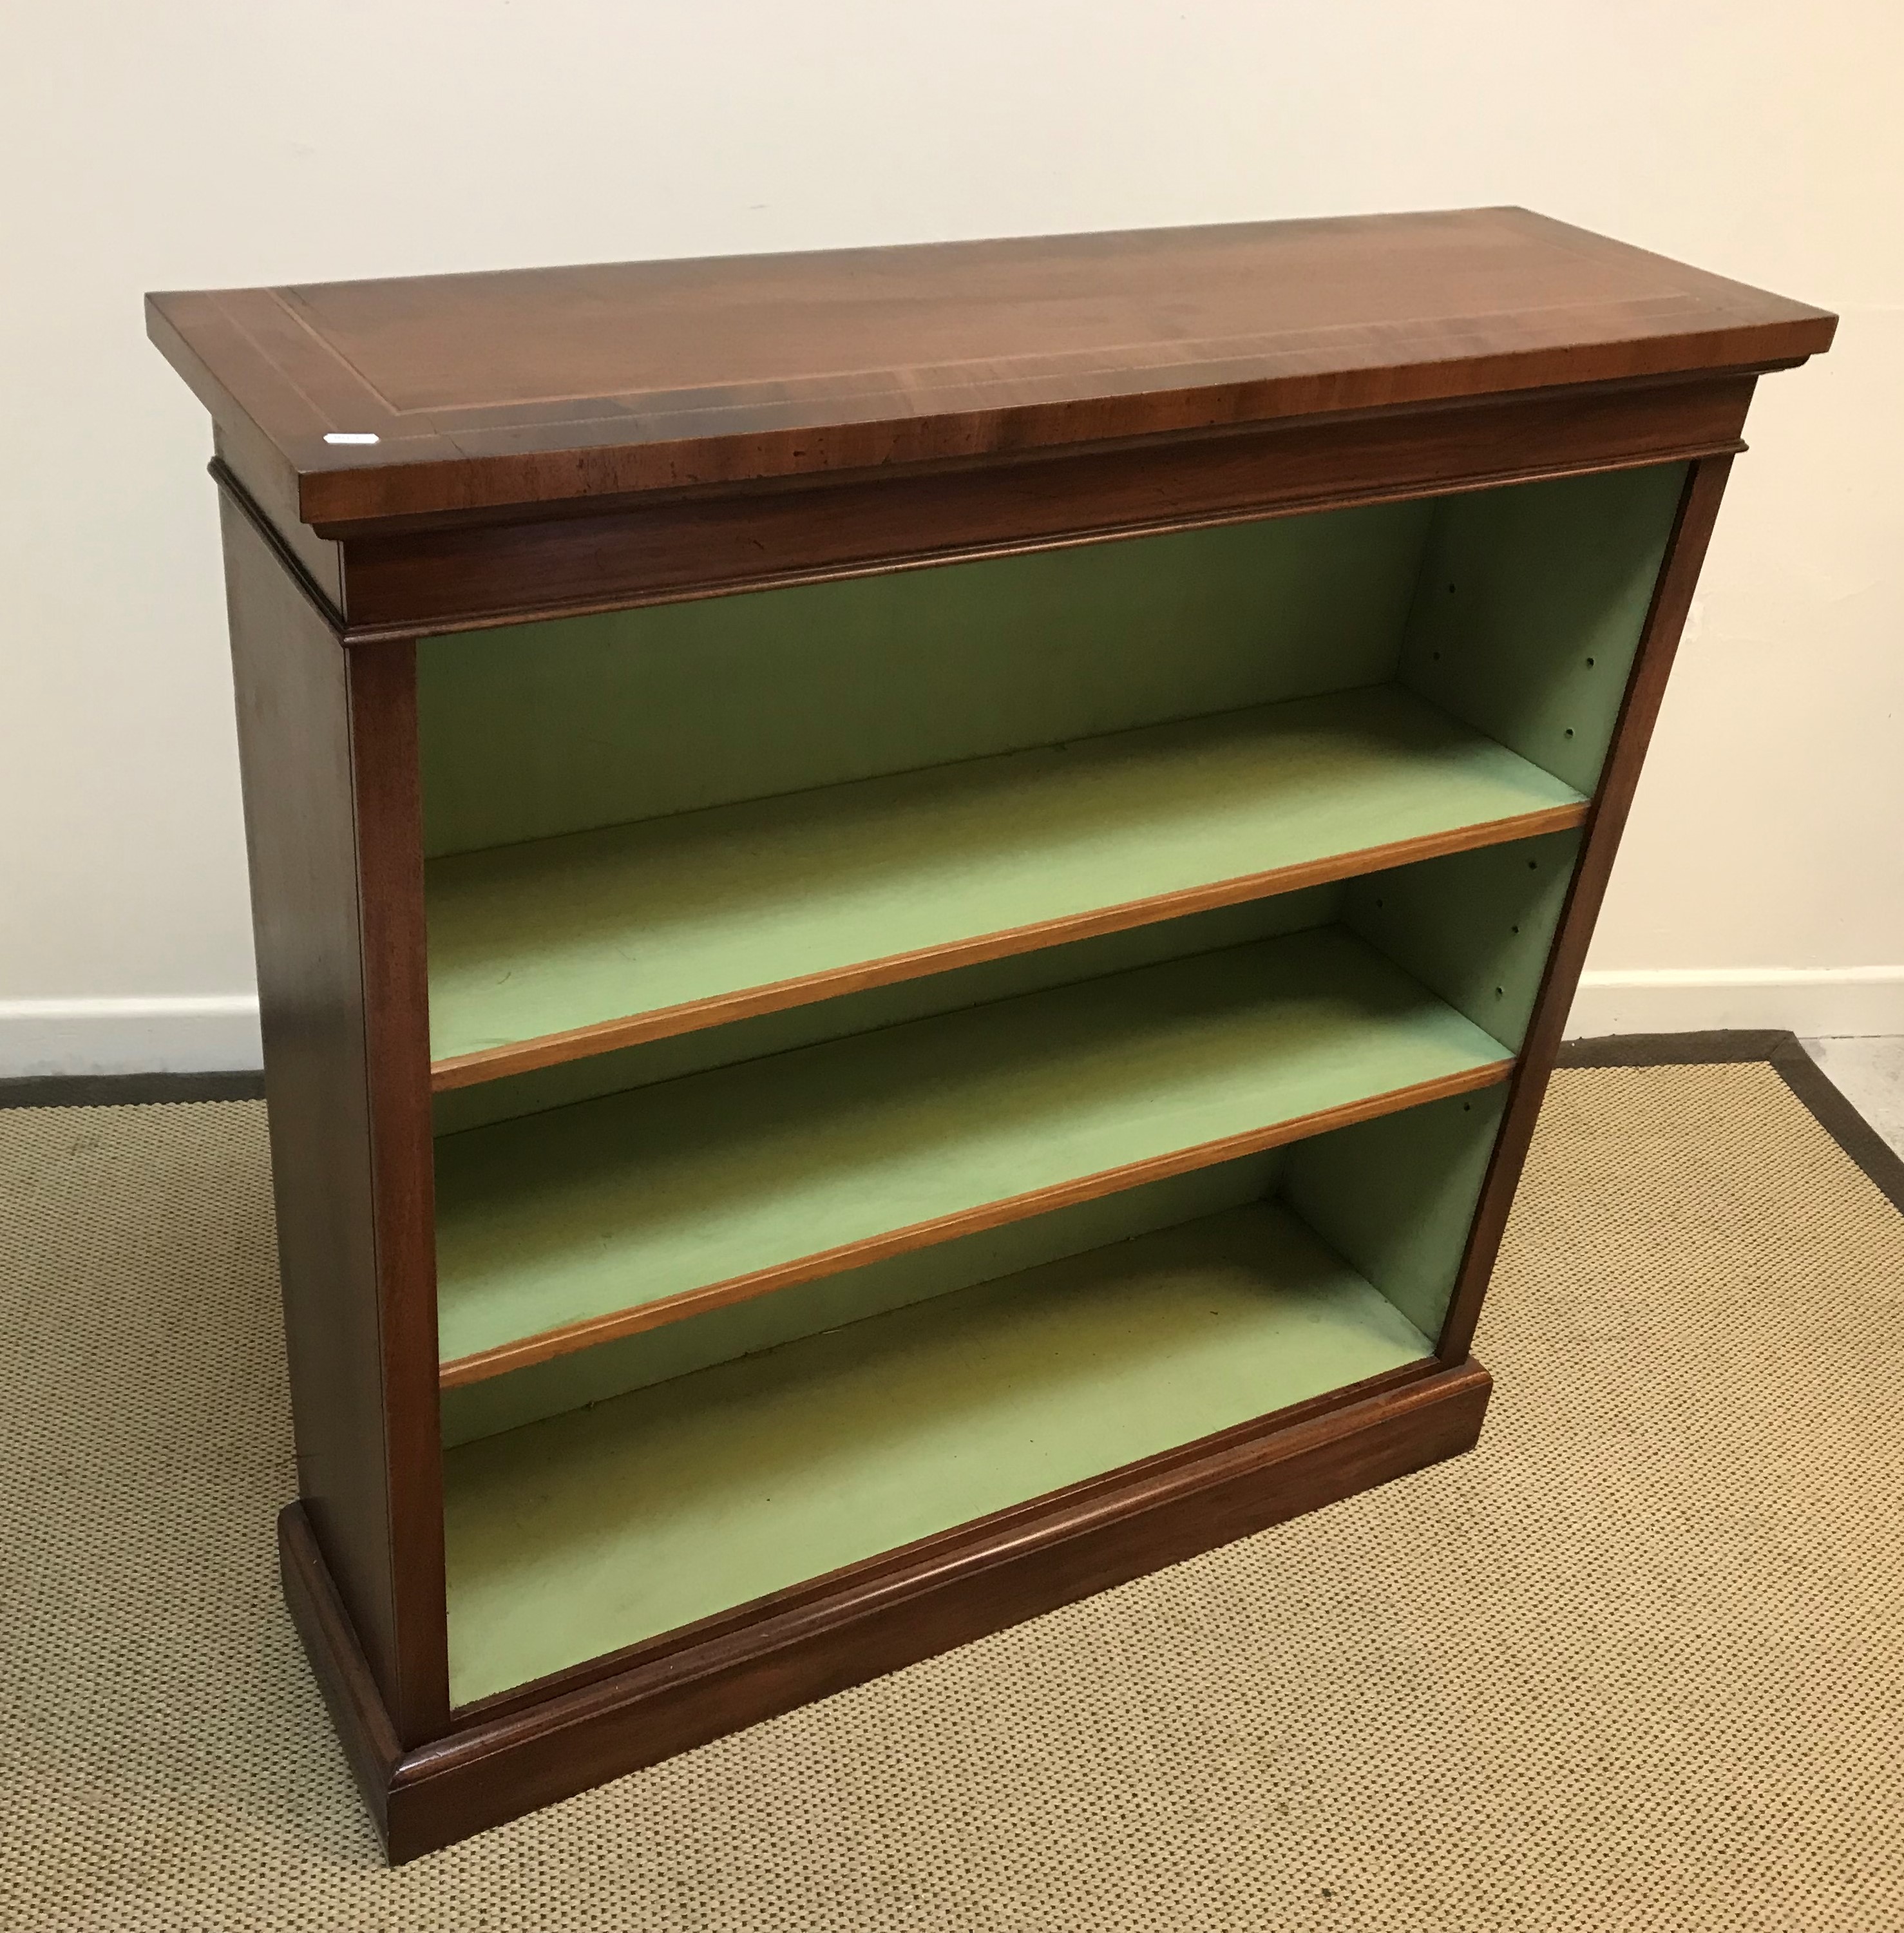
[{"x": 1688, "y": 517}]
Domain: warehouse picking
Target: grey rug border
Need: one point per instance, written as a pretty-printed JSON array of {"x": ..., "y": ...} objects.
[
  {"x": 1862, "y": 1145},
  {"x": 129, "y": 1090}
]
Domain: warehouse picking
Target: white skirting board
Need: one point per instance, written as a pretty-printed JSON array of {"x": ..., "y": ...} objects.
[
  {"x": 193, "y": 1033},
  {"x": 218, "y": 1032},
  {"x": 1811, "y": 1001}
]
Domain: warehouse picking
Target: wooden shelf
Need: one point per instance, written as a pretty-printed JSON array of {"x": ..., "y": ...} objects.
[
  {"x": 558, "y": 1231},
  {"x": 596, "y": 1529},
  {"x": 549, "y": 950}
]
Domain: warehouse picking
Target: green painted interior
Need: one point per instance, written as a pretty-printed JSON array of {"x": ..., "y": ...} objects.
[
  {"x": 537, "y": 730},
  {"x": 1474, "y": 927},
  {"x": 568, "y": 1382},
  {"x": 1395, "y": 1197},
  {"x": 644, "y": 809},
  {"x": 764, "y": 1442},
  {"x": 572, "y": 1536},
  {"x": 1529, "y": 607},
  {"x": 764, "y": 1034},
  {"x": 539, "y": 938},
  {"x": 555, "y": 1218}
]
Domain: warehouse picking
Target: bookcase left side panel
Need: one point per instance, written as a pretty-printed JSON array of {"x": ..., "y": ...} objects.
[{"x": 327, "y": 753}]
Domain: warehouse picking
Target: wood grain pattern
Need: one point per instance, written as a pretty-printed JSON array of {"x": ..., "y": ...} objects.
[
  {"x": 563, "y": 1736},
  {"x": 1679, "y": 574},
  {"x": 351, "y": 1694},
  {"x": 567, "y": 441},
  {"x": 295, "y": 745},
  {"x": 448, "y": 574},
  {"x": 555, "y": 385},
  {"x": 382, "y": 711}
]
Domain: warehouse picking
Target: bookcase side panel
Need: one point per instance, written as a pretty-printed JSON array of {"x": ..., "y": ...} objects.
[
  {"x": 1395, "y": 1196},
  {"x": 1530, "y": 605},
  {"x": 297, "y": 757},
  {"x": 294, "y": 750},
  {"x": 1672, "y": 597}
]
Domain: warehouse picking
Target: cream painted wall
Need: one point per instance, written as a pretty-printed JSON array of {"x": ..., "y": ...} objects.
[{"x": 212, "y": 141}]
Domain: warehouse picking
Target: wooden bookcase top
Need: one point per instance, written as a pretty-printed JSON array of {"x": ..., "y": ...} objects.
[{"x": 495, "y": 391}]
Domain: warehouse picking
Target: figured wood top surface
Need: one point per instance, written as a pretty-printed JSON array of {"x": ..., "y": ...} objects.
[{"x": 545, "y": 385}]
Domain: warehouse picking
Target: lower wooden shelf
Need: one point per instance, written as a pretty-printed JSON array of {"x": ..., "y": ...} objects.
[
  {"x": 578, "y": 1536},
  {"x": 497, "y": 1762},
  {"x": 558, "y": 1231}
]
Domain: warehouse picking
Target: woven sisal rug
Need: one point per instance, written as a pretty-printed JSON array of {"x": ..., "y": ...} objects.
[{"x": 1636, "y": 1663}]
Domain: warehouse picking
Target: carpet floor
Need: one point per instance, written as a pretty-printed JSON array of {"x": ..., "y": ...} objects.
[{"x": 1637, "y": 1662}]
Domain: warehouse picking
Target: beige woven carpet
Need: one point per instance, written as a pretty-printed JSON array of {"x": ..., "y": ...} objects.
[{"x": 1636, "y": 1663}]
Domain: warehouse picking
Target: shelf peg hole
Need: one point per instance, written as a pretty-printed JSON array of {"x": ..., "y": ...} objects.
[
  {"x": 1570, "y": 731},
  {"x": 1590, "y": 664}
]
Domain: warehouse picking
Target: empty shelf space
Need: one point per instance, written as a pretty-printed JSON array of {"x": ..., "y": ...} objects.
[
  {"x": 559, "y": 1229},
  {"x": 562, "y": 947},
  {"x": 575, "y": 1537}
]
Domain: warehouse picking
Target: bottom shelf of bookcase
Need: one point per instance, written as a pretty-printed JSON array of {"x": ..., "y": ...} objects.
[
  {"x": 682, "y": 1690},
  {"x": 582, "y": 1534}
]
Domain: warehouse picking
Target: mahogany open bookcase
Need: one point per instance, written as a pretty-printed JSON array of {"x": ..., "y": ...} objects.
[{"x": 912, "y": 907}]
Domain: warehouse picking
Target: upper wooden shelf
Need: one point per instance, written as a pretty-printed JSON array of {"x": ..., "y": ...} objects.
[
  {"x": 560, "y": 948},
  {"x": 552, "y": 387}
]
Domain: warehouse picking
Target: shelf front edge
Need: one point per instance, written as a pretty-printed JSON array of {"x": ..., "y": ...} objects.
[{"x": 525, "y": 1351}]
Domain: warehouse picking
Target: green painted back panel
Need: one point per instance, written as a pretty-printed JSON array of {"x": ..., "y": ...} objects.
[
  {"x": 562, "y": 1216},
  {"x": 1396, "y": 1197},
  {"x": 572, "y": 1536},
  {"x": 539, "y": 938},
  {"x": 678, "y": 1348},
  {"x": 538, "y": 730},
  {"x": 1476, "y": 927},
  {"x": 1529, "y": 607},
  {"x": 845, "y": 1013}
]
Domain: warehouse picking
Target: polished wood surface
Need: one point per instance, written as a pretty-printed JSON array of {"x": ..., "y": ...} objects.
[
  {"x": 551, "y": 385},
  {"x": 561, "y": 441},
  {"x": 694, "y": 543},
  {"x": 390, "y": 839},
  {"x": 545, "y": 1742},
  {"x": 363, "y": 1393}
]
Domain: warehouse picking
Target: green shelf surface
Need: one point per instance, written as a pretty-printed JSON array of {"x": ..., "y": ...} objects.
[
  {"x": 804, "y": 1162},
  {"x": 573, "y": 1536},
  {"x": 531, "y": 940}
]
